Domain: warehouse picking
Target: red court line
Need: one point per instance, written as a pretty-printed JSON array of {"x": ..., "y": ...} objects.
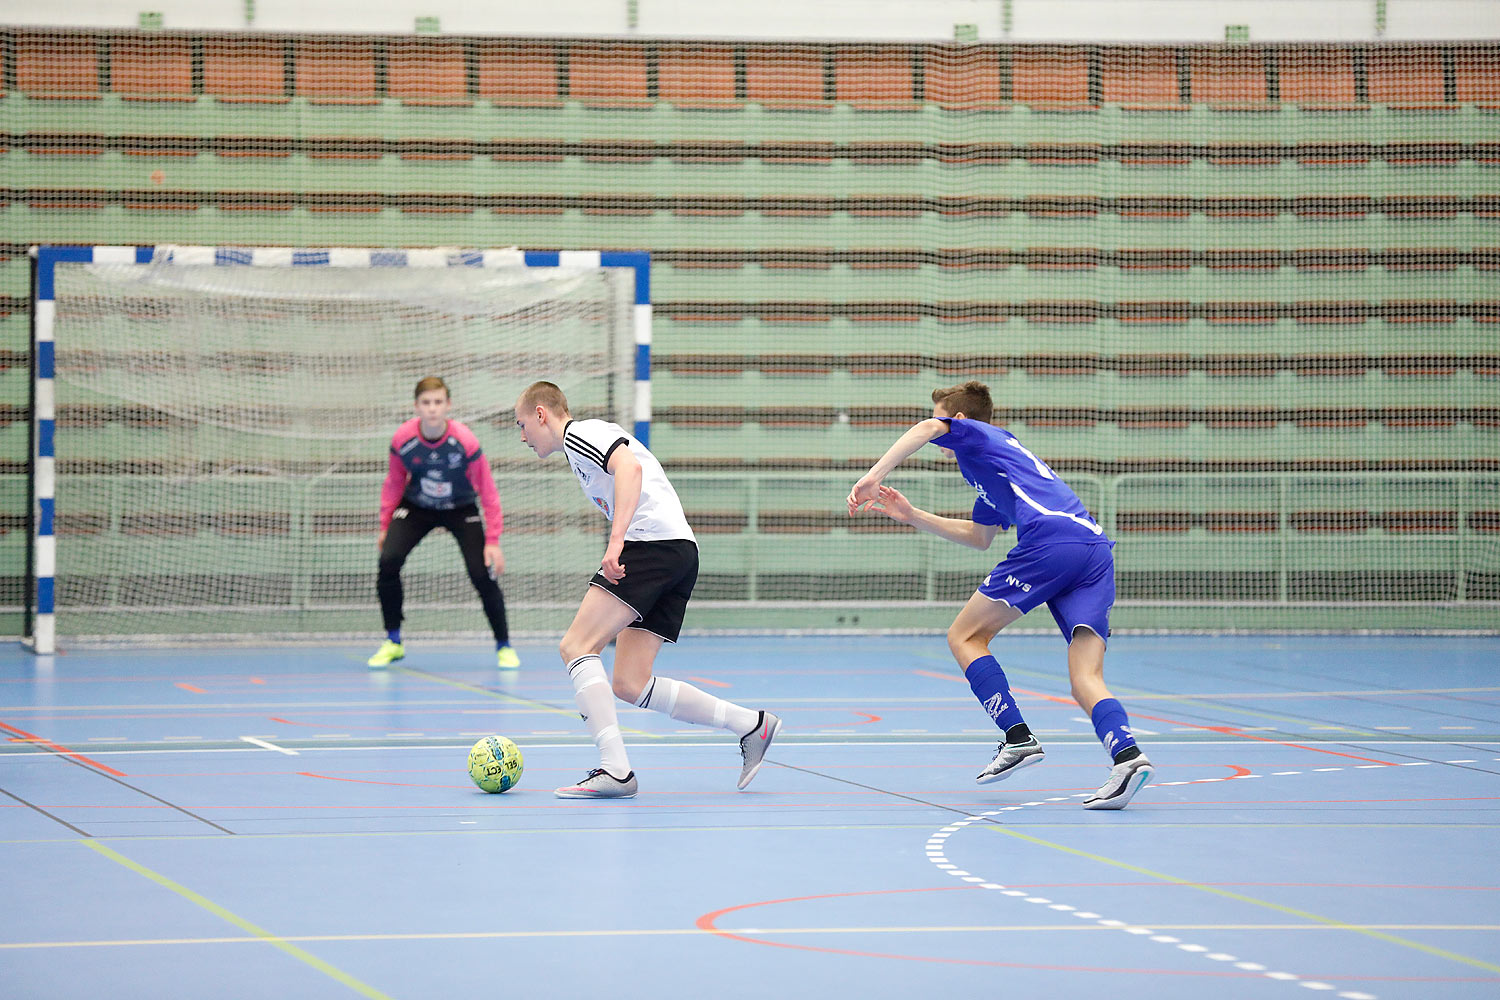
[
  {"x": 1232, "y": 731},
  {"x": 191, "y": 687},
  {"x": 709, "y": 922},
  {"x": 367, "y": 781},
  {"x": 868, "y": 718},
  {"x": 58, "y": 748},
  {"x": 705, "y": 680}
]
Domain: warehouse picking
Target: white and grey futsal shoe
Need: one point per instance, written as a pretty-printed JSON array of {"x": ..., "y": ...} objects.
[
  {"x": 1125, "y": 779},
  {"x": 600, "y": 784},
  {"x": 755, "y": 743}
]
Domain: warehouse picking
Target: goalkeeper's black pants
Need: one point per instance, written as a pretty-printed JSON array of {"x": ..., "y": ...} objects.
[{"x": 409, "y": 525}]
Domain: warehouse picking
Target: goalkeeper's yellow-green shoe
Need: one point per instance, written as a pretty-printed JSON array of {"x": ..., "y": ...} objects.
[
  {"x": 506, "y": 658},
  {"x": 388, "y": 653}
]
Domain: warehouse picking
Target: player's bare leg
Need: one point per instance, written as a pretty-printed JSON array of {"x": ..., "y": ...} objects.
[
  {"x": 1086, "y": 669},
  {"x": 976, "y": 626},
  {"x": 635, "y": 655}
]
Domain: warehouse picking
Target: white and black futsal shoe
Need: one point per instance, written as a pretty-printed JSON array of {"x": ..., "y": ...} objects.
[{"x": 1010, "y": 758}]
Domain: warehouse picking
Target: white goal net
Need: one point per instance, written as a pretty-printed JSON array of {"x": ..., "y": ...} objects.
[{"x": 223, "y": 422}]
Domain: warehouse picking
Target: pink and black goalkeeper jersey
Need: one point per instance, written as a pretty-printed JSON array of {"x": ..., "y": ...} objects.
[{"x": 440, "y": 475}]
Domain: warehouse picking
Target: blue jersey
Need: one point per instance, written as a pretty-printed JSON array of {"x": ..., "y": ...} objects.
[{"x": 1017, "y": 488}]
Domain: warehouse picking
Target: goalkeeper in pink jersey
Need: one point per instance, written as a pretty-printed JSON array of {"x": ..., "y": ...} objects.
[{"x": 438, "y": 478}]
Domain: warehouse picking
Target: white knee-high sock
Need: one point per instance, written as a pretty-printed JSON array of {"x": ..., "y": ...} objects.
[
  {"x": 596, "y": 703},
  {"x": 686, "y": 703}
]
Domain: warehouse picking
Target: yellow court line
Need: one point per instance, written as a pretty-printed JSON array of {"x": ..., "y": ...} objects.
[
  {"x": 476, "y": 689},
  {"x": 260, "y": 933},
  {"x": 1367, "y": 930},
  {"x": 759, "y": 931},
  {"x": 535, "y": 831}
]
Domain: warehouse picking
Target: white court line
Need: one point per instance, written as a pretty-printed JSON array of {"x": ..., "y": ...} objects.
[
  {"x": 937, "y": 845},
  {"x": 842, "y": 744},
  {"x": 269, "y": 746}
]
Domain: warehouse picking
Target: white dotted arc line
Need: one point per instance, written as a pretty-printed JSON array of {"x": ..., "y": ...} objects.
[
  {"x": 1282, "y": 774},
  {"x": 935, "y": 845}
]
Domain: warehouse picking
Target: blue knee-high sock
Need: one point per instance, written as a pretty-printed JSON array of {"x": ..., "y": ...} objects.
[
  {"x": 988, "y": 683},
  {"x": 1113, "y": 727}
]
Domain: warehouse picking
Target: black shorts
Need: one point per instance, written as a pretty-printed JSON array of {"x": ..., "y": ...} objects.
[{"x": 659, "y": 578}]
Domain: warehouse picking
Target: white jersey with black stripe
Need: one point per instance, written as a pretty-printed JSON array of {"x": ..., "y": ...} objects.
[{"x": 658, "y": 516}]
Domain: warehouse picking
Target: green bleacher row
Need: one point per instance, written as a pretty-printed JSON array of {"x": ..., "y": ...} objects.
[
  {"x": 514, "y": 135},
  {"x": 1259, "y": 537},
  {"x": 1106, "y": 189},
  {"x": 1423, "y": 438},
  {"x": 542, "y": 502},
  {"x": 333, "y": 536},
  {"x": 91, "y": 223},
  {"x": 717, "y": 156},
  {"x": 1436, "y": 286}
]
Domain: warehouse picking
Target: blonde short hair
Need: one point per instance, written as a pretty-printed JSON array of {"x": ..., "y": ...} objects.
[{"x": 544, "y": 394}]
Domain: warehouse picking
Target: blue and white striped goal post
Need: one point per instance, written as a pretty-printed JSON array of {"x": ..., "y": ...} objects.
[{"x": 41, "y": 555}]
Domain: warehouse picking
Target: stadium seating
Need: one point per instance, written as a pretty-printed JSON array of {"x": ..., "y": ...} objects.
[
  {"x": 788, "y": 78},
  {"x": 53, "y": 68},
  {"x": 699, "y": 77},
  {"x": 1172, "y": 262},
  {"x": 152, "y": 69},
  {"x": 245, "y": 70},
  {"x": 1319, "y": 78},
  {"x": 609, "y": 76},
  {"x": 517, "y": 74},
  {"x": 336, "y": 71},
  {"x": 877, "y": 77},
  {"x": 428, "y": 72}
]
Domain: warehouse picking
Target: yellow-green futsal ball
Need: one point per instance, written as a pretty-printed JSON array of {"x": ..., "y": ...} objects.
[{"x": 495, "y": 764}]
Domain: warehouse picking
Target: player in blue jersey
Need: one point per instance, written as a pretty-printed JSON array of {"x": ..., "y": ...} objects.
[{"x": 1061, "y": 558}]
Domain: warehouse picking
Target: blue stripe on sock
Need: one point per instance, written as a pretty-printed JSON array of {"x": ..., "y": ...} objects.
[
  {"x": 988, "y": 683},
  {"x": 1112, "y": 726}
]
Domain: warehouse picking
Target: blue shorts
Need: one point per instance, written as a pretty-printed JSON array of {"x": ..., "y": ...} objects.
[{"x": 1075, "y": 580}]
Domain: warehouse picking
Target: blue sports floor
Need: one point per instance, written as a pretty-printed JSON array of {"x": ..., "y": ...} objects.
[{"x": 282, "y": 823}]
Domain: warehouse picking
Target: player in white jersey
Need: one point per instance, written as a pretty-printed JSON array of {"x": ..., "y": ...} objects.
[{"x": 637, "y": 598}]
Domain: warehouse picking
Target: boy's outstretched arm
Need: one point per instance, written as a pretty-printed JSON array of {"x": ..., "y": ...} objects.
[
  {"x": 894, "y": 505},
  {"x": 868, "y": 487}
]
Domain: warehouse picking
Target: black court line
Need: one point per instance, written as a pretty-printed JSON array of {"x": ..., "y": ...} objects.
[
  {"x": 55, "y": 819},
  {"x": 1188, "y": 710},
  {"x": 91, "y": 769},
  {"x": 884, "y": 791},
  {"x": 142, "y": 791},
  {"x": 481, "y": 689},
  {"x": 1366, "y": 699}
]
